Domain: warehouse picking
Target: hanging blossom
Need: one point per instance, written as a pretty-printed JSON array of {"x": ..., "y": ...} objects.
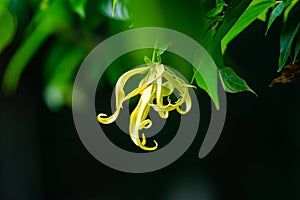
[{"x": 159, "y": 83}]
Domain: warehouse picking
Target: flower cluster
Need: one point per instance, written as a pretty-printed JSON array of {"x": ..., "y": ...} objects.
[{"x": 158, "y": 83}]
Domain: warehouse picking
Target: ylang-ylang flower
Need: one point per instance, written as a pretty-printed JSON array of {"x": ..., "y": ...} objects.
[{"x": 158, "y": 84}]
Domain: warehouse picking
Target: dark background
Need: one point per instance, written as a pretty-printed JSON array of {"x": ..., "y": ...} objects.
[{"x": 42, "y": 157}]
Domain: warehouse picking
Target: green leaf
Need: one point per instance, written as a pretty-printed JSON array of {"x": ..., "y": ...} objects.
[
  {"x": 263, "y": 15},
  {"x": 208, "y": 79},
  {"x": 220, "y": 2},
  {"x": 251, "y": 13},
  {"x": 78, "y": 6},
  {"x": 288, "y": 33},
  {"x": 232, "y": 82},
  {"x": 288, "y": 9},
  {"x": 8, "y": 27},
  {"x": 57, "y": 91},
  {"x": 21, "y": 58},
  {"x": 286, "y": 40},
  {"x": 46, "y": 22},
  {"x": 213, "y": 44},
  {"x": 277, "y": 11},
  {"x": 297, "y": 47},
  {"x": 120, "y": 10},
  {"x": 233, "y": 13},
  {"x": 215, "y": 11}
]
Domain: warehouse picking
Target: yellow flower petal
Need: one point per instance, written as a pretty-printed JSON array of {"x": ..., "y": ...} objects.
[
  {"x": 165, "y": 89},
  {"x": 137, "y": 118},
  {"x": 120, "y": 94},
  {"x": 151, "y": 87},
  {"x": 147, "y": 123},
  {"x": 182, "y": 87}
]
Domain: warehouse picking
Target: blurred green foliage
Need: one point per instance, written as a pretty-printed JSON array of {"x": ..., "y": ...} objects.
[
  {"x": 76, "y": 26},
  {"x": 7, "y": 33}
]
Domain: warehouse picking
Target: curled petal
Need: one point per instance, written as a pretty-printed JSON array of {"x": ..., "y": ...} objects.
[
  {"x": 148, "y": 148},
  {"x": 137, "y": 118},
  {"x": 107, "y": 120},
  {"x": 188, "y": 103},
  {"x": 182, "y": 87},
  {"x": 145, "y": 124},
  {"x": 164, "y": 114},
  {"x": 136, "y": 121},
  {"x": 120, "y": 94},
  {"x": 167, "y": 108}
]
